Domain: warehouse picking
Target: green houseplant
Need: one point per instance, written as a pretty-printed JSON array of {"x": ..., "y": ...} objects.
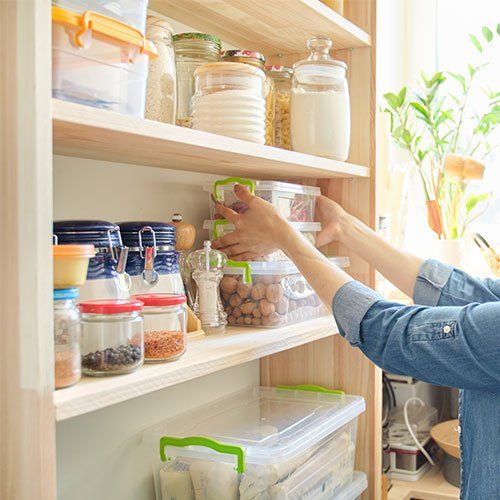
[{"x": 447, "y": 140}]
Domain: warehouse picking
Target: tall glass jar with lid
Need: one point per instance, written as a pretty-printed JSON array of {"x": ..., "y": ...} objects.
[
  {"x": 161, "y": 87},
  {"x": 282, "y": 79},
  {"x": 320, "y": 113},
  {"x": 191, "y": 50},
  {"x": 258, "y": 60}
]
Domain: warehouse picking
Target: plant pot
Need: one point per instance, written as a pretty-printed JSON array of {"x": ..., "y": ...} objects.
[{"x": 448, "y": 251}]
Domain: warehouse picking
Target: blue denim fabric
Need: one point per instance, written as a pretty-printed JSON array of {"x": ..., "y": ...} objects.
[{"x": 452, "y": 339}]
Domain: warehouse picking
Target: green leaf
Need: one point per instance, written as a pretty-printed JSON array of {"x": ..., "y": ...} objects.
[
  {"x": 423, "y": 112},
  {"x": 422, "y": 154},
  {"x": 473, "y": 199},
  {"x": 402, "y": 96},
  {"x": 407, "y": 137},
  {"x": 498, "y": 29},
  {"x": 392, "y": 100},
  {"x": 476, "y": 43},
  {"x": 460, "y": 79},
  {"x": 488, "y": 35},
  {"x": 472, "y": 69}
]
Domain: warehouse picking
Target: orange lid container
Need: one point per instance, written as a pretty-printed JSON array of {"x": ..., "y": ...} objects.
[{"x": 73, "y": 251}]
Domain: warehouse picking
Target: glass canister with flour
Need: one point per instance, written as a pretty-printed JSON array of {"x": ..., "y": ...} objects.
[{"x": 320, "y": 110}]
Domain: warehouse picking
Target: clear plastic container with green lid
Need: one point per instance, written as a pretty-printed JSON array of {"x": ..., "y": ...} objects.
[
  {"x": 287, "y": 442},
  {"x": 191, "y": 50}
]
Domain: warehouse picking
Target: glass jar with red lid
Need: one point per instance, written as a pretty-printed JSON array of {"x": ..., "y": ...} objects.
[
  {"x": 165, "y": 321},
  {"x": 112, "y": 336}
]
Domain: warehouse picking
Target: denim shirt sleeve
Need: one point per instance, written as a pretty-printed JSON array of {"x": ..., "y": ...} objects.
[
  {"x": 451, "y": 346},
  {"x": 442, "y": 285}
]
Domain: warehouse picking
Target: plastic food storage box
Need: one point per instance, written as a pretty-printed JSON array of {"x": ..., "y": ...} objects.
[
  {"x": 294, "y": 202},
  {"x": 99, "y": 61},
  {"x": 354, "y": 489},
  {"x": 259, "y": 443},
  {"x": 278, "y": 295}
]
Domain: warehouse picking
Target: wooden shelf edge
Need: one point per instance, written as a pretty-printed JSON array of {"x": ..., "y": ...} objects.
[
  {"x": 87, "y": 132},
  {"x": 207, "y": 355}
]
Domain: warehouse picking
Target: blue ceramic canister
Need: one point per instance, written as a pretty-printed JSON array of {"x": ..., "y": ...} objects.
[
  {"x": 153, "y": 261},
  {"x": 106, "y": 276}
]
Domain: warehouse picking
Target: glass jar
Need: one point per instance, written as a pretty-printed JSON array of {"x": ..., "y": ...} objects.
[
  {"x": 191, "y": 50},
  {"x": 320, "y": 116},
  {"x": 112, "y": 336},
  {"x": 67, "y": 359},
  {"x": 161, "y": 88},
  {"x": 230, "y": 100},
  {"x": 165, "y": 320},
  {"x": 282, "y": 79},
  {"x": 258, "y": 60}
]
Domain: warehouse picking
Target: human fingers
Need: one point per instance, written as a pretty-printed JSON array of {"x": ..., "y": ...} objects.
[
  {"x": 246, "y": 256},
  {"x": 226, "y": 212},
  {"x": 225, "y": 241},
  {"x": 243, "y": 194},
  {"x": 236, "y": 249}
]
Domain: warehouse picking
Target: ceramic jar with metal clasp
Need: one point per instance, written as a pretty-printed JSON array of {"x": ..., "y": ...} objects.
[
  {"x": 106, "y": 275},
  {"x": 153, "y": 261}
]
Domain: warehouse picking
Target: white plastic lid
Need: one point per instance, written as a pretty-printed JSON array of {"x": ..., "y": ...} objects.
[
  {"x": 272, "y": 425},
  {"x": 303, "y": 227},
  {"x": 273, "y": 186}
]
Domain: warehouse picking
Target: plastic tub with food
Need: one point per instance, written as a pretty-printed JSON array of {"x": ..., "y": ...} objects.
[{"x": 71, "y": 263}]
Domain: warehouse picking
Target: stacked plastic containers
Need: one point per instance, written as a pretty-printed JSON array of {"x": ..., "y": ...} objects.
[
  {"x": 272, "y": 443},
  {"x": 100, "y": 53}
]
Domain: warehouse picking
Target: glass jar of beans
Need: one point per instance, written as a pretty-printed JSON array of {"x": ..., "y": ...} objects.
[{"x": 164, "y": 326}]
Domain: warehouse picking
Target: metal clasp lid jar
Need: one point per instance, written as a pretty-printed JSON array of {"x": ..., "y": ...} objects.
[{"x": 112, "y": 336}]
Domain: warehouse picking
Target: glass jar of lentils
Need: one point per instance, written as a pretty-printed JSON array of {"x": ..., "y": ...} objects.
[
  {"x": 165, "y": 321},
  {"x": 112, "y": 336},
  {"x": 282, "y": 78}
]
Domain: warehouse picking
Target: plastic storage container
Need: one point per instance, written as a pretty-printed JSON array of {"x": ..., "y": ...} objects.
[
  {"x": 230, "y": 100},
  {"x": 259, "y": 443},
  {"x": 112, "y": 336},
  {"x": 106, "y": 277},
  {"x": 71, "y": 263},
  {"x": 320, "y": 111},
  {"x": 165, "y": 320},
  {"x": 278, "y": 295},
  {"x": 153, "y": 261},
  {"x": 221, "y": 227},
  {"x": 191, "y": 50},
  {"x": 282, "y": 80},
  {"x": 354, "y": 489},
  {"x": 67, "y": 359},
  {"x": 294, "y": 202},
  {"x": 99, "y": 61}
]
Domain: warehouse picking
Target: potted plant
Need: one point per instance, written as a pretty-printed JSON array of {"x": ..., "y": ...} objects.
[{"x": 448, "y": 141}]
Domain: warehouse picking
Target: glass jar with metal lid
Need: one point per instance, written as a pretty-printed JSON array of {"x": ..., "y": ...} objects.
[
  {"x": 112, "y": 336},
  {"x": 258, "y": 60},
  {"x": 191, "y": 51},
  {"x": 282, "y": 78},
  {"x": 161, "y": 88},
  {"x": 153, "y": 261},
  {"x": 230, "y": 100},
  {"x": 320, "y": 114}
]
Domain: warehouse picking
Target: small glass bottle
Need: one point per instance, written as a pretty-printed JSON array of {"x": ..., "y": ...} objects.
[
  {"x": 67, "y": 359},
  {"x": 207, "y": 266},
  {"x": 282, "y": 78}
]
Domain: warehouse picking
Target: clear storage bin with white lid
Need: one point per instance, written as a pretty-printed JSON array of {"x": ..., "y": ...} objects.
[
  {"x": 253, "y": 441},
  {"x": 99, "y": 61},
  {"x": 278, "y": 295},
  {"x": 221, "y": 227},
  {"x": 128, "y": 11},
  {"x": 294, "y": 202}
]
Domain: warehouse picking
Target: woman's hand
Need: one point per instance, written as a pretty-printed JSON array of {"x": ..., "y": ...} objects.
[
  {"x": 258, "y": 232},
  {"x": 331, "y": 215}
]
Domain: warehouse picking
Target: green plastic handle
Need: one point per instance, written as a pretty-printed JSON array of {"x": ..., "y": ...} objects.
[
  {"x": 233, "y": 180},
  {"x": 217, "y": 224},
  {"x": 311, "y": 388},
  {"x": 247, "y": 272},
  {"x": 226, "y": 449}
]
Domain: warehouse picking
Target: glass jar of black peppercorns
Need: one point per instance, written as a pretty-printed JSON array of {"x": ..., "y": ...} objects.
[{"x": 112, "y": 340}]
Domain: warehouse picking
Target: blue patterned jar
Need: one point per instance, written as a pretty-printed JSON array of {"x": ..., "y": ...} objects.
[
  {"x": 153, "y": 261},
  {"x": 106, "y": 277}
]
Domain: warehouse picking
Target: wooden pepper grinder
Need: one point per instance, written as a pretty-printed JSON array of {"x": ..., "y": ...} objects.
[{"x": 185, "y": 239}]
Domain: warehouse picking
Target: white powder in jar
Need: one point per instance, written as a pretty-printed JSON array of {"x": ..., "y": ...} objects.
[{"x": 320, "y": 123}]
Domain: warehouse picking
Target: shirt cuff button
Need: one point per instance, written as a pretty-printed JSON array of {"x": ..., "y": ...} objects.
[{"x": 447, "y": 329}]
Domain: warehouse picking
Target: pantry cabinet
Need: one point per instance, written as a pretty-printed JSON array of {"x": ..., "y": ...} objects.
[{"x": 65, "y": 160}]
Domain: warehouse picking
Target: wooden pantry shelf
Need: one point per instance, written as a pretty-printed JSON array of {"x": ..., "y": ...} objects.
[
  {"x": 204, "y": 356},
  {"x": 98, "y": 134},
  {"x": 269, "y": 26}
]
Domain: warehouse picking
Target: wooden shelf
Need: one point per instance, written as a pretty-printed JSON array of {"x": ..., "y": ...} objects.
[
  {"x": 86, "y": 132},
  {"x": 207, "y": 355},
  {"x": 272, "y": 27}
]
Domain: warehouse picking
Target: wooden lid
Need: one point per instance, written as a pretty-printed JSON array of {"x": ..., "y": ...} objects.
[{"x": 446, "y": 435}]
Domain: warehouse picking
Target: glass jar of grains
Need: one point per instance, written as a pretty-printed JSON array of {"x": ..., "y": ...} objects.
[
  {"x": 67, "y": 360},
  {"x": 112, "y": 336},
  {"x": 161, "y": 87},
  {"x": 191, "y": 51},
  {"x": 165, "y": 320},
  {"x": 258, "y": 60},
  {"x": 282, "y": 78}
]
